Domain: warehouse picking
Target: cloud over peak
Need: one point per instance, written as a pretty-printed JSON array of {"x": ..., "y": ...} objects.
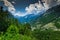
[{"x": 31, "y": 9}]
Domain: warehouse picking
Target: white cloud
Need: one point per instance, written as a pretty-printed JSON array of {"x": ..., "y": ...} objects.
[
  {"x": 35, "y": 8},
  {"x": 31, "y": 9},
  {"x": 9, "y": 5},
  {"x": 51, "y": 3},
  {"x": 19, "y": 14},
  {"x": 13, "y": 2}
]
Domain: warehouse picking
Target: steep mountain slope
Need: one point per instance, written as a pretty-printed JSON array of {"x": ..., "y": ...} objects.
[{"x": 52, "y": 15}]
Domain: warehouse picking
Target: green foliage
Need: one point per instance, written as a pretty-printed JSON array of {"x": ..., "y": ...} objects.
[
  {"x": 57, "y": 23},
  {"x": 16, "y": 37},
  {"x": 13, "y": 34},
  {"x": 46, "y": 35},
  {"x": 25, "y": 29},
  {"x": 3, "y": 21},
  {"x": 11, "y": 29}
]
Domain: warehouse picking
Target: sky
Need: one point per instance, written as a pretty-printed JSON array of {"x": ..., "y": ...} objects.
[{"x": 28, "y": 9}]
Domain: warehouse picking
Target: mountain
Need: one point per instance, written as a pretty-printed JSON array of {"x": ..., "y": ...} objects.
[{"x": 51, "y": 16}]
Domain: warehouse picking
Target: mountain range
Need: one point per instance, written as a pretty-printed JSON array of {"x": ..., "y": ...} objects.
[{"x": 49, "y": 19}]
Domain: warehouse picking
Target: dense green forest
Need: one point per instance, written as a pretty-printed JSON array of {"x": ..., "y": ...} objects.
[{"x": 12, "y": 29}]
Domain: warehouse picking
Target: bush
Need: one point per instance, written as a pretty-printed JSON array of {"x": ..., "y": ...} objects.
[{"x": 13, "y": 34}]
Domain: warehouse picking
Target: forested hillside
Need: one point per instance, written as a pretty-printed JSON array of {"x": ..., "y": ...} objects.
[
  {"x": 52, "y": 15},
  {"x": 12, "y": 29},
  {"x": 47, "y": 26}
]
